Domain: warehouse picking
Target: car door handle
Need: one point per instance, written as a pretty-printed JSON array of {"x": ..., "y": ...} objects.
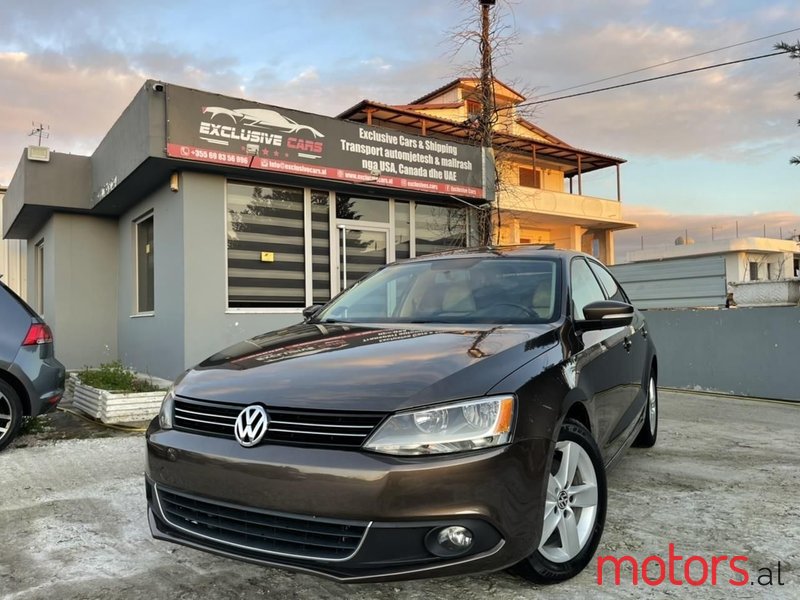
[{"x": 627, "y": 344}]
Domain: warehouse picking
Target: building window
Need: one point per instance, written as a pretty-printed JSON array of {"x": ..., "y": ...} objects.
[
  {"x": 439, "y": 228},
  {"x": 770, "y": 274},
  {"x": 530, "y": 177},
  {"x": 753, "y": 271},
  {"x": 39, "y": 272},
  {"x": 145, "y": 265},
  {"x": 473, "y": 108},
  {"x": 320, "y": 246},
  {"x": 354, "y": 208},
  {"x": 266, "y": 246},
  {"x": 402, "y": 230}
]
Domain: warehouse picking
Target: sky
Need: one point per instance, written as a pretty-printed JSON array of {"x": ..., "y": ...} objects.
[{"x": 703, "y": 151}]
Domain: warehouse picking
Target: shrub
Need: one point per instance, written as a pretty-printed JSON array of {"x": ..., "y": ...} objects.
[{"x": 115, "y": 378}]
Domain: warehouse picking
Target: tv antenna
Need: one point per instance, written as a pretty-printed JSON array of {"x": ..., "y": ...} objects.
[{"x": 43, "y": 131}]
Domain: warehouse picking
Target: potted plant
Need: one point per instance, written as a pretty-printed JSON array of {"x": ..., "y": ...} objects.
[{"x": 115, "y": 394}]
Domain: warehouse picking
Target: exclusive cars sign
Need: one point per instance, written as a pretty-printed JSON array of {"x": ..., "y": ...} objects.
[{"x": 218, "y": 129}]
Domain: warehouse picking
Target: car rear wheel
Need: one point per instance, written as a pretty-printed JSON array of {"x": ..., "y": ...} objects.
[
  {"x": 574, "y": 510},
  {"x": 647, "y": 436},
  {"x": 10, "y": 414}
]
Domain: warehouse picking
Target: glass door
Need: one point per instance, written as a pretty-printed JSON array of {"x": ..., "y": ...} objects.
[{"x": 362, "y": 249}]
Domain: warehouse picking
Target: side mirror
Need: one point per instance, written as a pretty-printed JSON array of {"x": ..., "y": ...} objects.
[
  {"x": 310, "y": 311},
  {"x": 605, "y": 314}
]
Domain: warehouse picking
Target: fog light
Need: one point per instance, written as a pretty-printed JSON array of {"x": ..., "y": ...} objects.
[
  {"x": 449, "y": 541},
  {"x": 455, "y": 538}
]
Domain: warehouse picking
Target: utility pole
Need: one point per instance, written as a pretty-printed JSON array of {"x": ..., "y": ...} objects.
[
  {"x": 487, "y": 85},
  {"x": 487, "y": 112}
]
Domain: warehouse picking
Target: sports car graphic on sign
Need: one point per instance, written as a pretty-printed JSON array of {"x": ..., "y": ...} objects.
[{"x": 261, "y": 117}]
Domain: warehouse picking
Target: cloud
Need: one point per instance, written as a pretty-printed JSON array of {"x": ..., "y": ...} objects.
[
  {"x": 78, "y": 103},
  {"x": 659, "y": 229},
  {"x": 308, "y": 75},
  {"x": 721, "y": 114},
  {"x": 376, "y": 63}
]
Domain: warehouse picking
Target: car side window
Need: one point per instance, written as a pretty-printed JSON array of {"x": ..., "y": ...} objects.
[
  {"x": 607, "y": 280},
  {"x": 584, "y": 287}
]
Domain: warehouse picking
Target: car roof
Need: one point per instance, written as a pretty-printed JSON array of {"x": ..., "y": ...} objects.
[{"x": 517, "y": 251}]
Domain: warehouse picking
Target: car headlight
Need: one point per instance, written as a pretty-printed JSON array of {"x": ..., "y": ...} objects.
[
  {"x": 455, "y": 427},
  {"x": 166, "y": 414}
]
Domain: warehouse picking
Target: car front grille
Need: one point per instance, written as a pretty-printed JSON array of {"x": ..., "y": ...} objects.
[
  {"x": 261, "y": 531},
  {"x": 286, "y": 426}
]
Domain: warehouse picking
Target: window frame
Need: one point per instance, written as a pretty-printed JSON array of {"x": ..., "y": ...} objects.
[
  {"x": 137, "y": 222},
  {"x": 39, "y": 274},
  {"x": 571, "y": 307},
  {"x": 535, "y": 175},
  {"x": 333, "y": 239},
  {"x": 594, "y": 263}
]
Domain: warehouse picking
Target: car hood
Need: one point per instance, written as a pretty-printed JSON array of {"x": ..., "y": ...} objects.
[{"x": 370, "y": 368}]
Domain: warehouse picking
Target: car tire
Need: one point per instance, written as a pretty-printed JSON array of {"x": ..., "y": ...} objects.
[
  {"x": 649, "y": 433},
  {"x": 10, "y": 414},
  {"x": 579, "y": 516}
]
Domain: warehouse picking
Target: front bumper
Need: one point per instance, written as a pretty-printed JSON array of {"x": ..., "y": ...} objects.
[{"x": 498, "y": 494}]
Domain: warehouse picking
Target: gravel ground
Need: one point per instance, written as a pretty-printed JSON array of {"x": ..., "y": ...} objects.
[{"x": 723, "y": 479}]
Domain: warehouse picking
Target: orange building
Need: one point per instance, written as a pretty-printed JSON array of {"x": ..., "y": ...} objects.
[{"x": 541, "y": 177}]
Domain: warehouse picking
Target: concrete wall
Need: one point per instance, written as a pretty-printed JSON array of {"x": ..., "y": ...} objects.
[
  {"x": 137, "y": 134},
  {"x": 742, "y": 351},
  {"x": 38, "y": 187},
  {"x": 154, "y": 343},
  {"x": 46, "y": 236},
  {"x": 749, "y": 293},
  {"x": 190, "y": 321},
  {"x": 210, "y": 326},
  {"x": 80, "y": 269}
]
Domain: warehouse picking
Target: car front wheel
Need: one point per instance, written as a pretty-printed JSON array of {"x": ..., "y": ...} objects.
[
  {"x": 574, "y": 511},
  {"x": 10, "y": 414}
]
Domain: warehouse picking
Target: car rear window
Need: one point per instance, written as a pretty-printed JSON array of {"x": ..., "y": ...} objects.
[{"x": 4, "y": 289}]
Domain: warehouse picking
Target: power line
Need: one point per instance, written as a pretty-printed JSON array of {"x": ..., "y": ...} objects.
[
  {"x": 622, "y": 85},
  {"x": 669, "y": 62}
]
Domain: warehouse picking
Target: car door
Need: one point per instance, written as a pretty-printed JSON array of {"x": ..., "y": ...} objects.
[
  {"x": 601, "y": 361},
  {"x": 636, "y": 345}
]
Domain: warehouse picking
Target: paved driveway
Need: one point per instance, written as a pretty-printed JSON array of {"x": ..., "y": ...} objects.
[{"x": 723, "y": 480}]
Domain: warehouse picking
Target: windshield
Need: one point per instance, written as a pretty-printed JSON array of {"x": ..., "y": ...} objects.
[{"x": 493, "y": 290}]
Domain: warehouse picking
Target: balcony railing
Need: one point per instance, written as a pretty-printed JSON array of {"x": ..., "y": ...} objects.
[{"x": 519, "y": 198}]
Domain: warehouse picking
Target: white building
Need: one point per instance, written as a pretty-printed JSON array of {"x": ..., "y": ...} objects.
[
  {"x": 746, "y": 259},
  {"x": 12, "y": 258}
]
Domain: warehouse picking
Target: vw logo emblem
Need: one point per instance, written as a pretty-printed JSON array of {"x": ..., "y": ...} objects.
[{"x": 251, "y": 425}]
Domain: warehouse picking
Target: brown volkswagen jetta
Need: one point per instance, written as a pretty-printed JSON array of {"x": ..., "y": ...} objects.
[{"x": 449, "y": 414}]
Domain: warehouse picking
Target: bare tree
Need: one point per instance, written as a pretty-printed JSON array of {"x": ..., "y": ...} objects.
[
  {"x": 794, "y": 53},
  {"x": 483, "y": 40}
]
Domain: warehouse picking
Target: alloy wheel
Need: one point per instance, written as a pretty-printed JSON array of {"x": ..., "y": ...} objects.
[
  {"x": 653, "y": 406},
  {"x": 571, "y": 504},
  {"x": 6, "y": 415}
]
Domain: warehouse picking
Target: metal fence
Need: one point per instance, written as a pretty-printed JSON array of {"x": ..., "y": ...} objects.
[{"x": 675, "y": 283}]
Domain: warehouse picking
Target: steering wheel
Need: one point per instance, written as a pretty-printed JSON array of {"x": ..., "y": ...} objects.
[{"x": 529, "y": 312}]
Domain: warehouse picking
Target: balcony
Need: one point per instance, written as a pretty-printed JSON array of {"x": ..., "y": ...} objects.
[{"x": 563, "y": 208}]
